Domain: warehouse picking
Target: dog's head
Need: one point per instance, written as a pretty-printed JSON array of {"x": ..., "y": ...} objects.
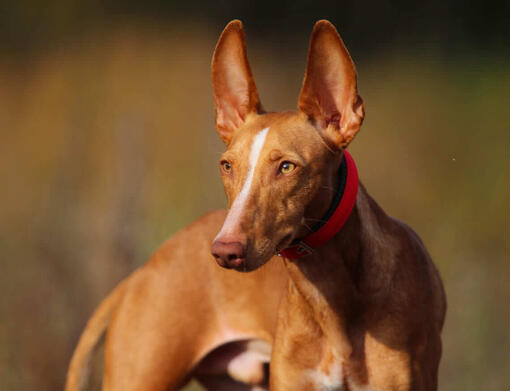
[{"x": 279, "y": 169}]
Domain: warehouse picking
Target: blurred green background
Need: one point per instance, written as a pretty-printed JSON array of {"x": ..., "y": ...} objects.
[{"x": 108, "y": 147}]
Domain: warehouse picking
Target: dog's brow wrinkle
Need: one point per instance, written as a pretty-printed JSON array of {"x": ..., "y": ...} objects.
[{"x": 275, "y": 154}]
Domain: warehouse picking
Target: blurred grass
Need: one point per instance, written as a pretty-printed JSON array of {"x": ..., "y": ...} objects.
[{"x": 109, "y": 147}]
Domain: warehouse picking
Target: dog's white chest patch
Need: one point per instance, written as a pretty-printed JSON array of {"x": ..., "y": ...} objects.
[
  {"x": 330, "y": 379},
  {"x": 354, "y": 387}
]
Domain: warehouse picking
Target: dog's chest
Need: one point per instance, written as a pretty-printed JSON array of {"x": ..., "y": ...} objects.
[
  {"x": 331, "y": 376},
  {"x": 326, "y": 379},
  {"x": 328, "y": 375}
]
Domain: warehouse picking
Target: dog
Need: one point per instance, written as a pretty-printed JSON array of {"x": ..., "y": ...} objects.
[
  {"x": 335, "y": 294},
  {"x": 364, "y": 304}
]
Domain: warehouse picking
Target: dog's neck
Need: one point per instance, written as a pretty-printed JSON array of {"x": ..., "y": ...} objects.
[{"x": 326, "y": 284}]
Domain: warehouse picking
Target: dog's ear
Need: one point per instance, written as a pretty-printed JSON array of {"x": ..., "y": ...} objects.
[
  {"x": 235, "y": 93},
  {"x": 330, "y": 95}
]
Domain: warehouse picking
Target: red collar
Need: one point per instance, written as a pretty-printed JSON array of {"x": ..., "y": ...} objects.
[{"x": 335, "y": 222}]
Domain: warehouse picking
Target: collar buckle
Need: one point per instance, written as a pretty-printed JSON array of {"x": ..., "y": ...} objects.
[{"x": 303, "y": 249}]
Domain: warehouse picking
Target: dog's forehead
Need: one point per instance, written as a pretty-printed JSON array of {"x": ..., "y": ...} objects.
[{"x": 285, "y": 130}]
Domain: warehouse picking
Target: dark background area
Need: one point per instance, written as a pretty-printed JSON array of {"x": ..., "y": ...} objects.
[
  {"x": 108, "y": 147},
  {"x": 454, "y": 26}
]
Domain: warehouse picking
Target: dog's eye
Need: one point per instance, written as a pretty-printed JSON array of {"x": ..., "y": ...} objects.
[
  {"x": 287, "y": 167},
  {"x": 227, "y": 167}
]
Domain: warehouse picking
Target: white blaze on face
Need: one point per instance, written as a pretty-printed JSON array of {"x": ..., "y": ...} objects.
[{"x": 236, "y": 210}]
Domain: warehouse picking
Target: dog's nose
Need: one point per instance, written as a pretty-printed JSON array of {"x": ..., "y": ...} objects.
[{"x": 229, "y": 254}]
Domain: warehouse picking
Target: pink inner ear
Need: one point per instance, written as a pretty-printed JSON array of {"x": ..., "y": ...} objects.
[
  {"x": 333, "y": 120},
  {"x": 329, "y": 92},
  {"x": 329, "y": 95}
]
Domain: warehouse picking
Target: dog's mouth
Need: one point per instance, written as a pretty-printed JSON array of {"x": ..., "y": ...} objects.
[
  {"x": 253, "y": 262},
  {"x": 284, "y": 243},
  {"x": 253, "y": 257}
]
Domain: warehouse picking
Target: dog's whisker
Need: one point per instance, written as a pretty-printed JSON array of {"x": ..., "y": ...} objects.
[
  {"x": 311, "y": 218},
  {"x": 307, "y": 226}
]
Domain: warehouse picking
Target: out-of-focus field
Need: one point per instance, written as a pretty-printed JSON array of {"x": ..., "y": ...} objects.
[{"x": 108, "y": 147}]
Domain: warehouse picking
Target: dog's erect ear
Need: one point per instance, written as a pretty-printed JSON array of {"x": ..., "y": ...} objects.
[
  {"x": 330, "y": 95},
  {"x": 235, "y": 93}
]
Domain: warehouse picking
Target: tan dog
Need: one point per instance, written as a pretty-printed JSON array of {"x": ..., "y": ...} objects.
[
  {"x": 364, "y": 305},
  {"x": 182, "y": 316},
  {"x": 361, "y": 311}
]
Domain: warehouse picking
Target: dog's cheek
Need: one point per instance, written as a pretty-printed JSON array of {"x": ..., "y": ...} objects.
[{"x": 229, "y": 191}]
